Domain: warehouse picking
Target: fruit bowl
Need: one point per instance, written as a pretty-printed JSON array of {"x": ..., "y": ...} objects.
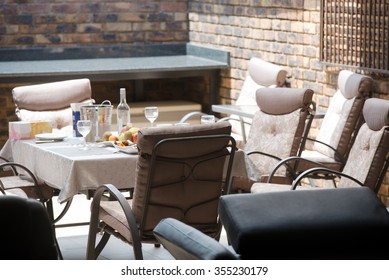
[{"x": 125, "y": 146}]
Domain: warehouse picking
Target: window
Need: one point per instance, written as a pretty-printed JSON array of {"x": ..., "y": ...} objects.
[{"x": 355, "y": 34}]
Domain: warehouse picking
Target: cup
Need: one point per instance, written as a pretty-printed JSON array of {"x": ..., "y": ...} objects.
[
  {"x": 76, "y": 116},
  {"x": 90, "y": 112},
  {"x": 207, "y": 119}
]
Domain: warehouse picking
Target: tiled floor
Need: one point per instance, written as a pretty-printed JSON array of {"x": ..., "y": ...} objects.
[{"x": 73, "y": 240}]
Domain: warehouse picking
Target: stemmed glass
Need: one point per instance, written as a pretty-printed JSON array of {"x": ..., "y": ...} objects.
[
  {"x": 84, "y": 127},
  {"x": 151, "y": 113}
]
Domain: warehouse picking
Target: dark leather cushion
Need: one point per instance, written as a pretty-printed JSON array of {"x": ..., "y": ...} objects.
[
  {"x": 187, "y": 243},
  {"x": 26, "y": 231},
  {"x": 312, "y": 224}
]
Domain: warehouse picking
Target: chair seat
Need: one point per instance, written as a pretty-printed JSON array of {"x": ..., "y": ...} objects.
[
  {"x": 18, "y": 185},
  {"x": 321, "y": 224},
  {"x": 16, "y": 192},
  {"x": 113, "y": 215},
  {"x": 316, "y": 156}
]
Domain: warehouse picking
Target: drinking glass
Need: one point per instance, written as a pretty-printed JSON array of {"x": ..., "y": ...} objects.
[
  {"x": 151, "y": 113},
  {"x": 207, "y": 119},
  {"x": 84, "y": 127}
]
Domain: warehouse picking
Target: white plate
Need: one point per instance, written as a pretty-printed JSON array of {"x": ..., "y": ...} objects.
[
  {"x": 50, "y": 136},
  {"x": 127, "y": 149},
  {"x": 108, "y": 143}
]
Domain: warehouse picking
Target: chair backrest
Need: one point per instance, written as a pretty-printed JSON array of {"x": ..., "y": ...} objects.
[
  {"x": 181, "y": 174},
  {"x": 260, "y": 74},
  {"x": 279, "y": 128},
  {"x": 51, "y": 101},
  {"x": 26, "y": 230},
  {"x": 344, "y": 115},
  {"x": 369, "y": 156}
]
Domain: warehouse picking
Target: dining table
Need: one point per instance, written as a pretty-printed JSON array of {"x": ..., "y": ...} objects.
[{"x": 64, "y": 166}]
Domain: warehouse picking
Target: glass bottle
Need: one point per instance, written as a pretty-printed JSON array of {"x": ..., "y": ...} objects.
[{"x": 123, "y": 111}]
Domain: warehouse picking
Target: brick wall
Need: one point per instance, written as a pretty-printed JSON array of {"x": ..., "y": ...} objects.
[
  {"x": 283, "y": 32},
  {"x": 78, "y": 22}
]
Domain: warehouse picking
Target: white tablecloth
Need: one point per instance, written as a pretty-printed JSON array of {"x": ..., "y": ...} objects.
[{"x": 62, "y": 165}]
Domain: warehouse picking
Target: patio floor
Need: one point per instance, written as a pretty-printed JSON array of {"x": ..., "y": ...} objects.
[{"x": 73, "y": 240}]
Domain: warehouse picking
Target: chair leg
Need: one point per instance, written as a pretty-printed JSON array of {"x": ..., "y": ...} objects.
[
  {"x": 50, "y": 210},
  {"x": 100, "y": 246}
]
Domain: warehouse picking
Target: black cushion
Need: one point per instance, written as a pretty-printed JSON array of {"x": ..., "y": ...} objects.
[
  {"x": 311, "y": 224},
  {"x": 187, "y": 243},
  {"x": 26, "y": 230}
]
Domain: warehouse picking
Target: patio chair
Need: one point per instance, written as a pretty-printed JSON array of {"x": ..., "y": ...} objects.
[
  {"x": 20, "y": 181},
  {"x": 27, "y": 232},
  {"x": 51, "y": 101},
  {"x": 367, "y": 162},
  {"x": 279, "y": 130},
  {"x": 336, "y": 134},
  {"x": 187, "y": 243},
  {"x": 341, "y": 122},
  {"x": 259, "y": 74},
  {"x": 181, "y": 173},
  {"x": 328, "y": 224}
]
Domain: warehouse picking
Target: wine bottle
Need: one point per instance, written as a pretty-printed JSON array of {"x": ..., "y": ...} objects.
[{"x": 123, "y": 111}]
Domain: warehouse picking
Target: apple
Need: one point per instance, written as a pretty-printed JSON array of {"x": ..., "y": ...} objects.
[
  {"x": 121, "y": 137},
  {"x": 106, "y": 136},
  {"x": 135, "y": 138},
  {"x": 127, "y": 135},
  {"x": 133, "y": 130}
]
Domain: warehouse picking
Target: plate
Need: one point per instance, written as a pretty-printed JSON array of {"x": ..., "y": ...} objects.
[
  {"x": 50, "y": 136},
  {"x": 127, "y": 149}
]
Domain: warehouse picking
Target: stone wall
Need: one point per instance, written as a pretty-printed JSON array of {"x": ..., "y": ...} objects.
[{"x": 283, "y": 32}]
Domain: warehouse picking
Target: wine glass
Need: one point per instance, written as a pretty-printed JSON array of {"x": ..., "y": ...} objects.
[
  {"x": 151, "y": 113},
  {"x": 84, "y": 127},
  {"x": 207, "y": 119}
]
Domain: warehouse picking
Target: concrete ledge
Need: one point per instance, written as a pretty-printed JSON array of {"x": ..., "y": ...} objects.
[
  {"x": 128, "y": 62},
  {"x": 113, "y": 63}
]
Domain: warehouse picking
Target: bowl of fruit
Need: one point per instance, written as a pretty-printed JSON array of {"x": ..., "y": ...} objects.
[{"x": 125, "y": 142}]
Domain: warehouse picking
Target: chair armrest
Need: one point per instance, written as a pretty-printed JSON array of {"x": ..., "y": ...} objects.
[
  {"x": 187, "y": 243},
  {"x": 29, "y": 177},
  {"x": 325, "y": 172},
  {"x": 291, "y": 168},
  {"x": 337, "y": 155},
  {"x": 191, "y": 115},
  {"x": 95, "y": 208}
]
